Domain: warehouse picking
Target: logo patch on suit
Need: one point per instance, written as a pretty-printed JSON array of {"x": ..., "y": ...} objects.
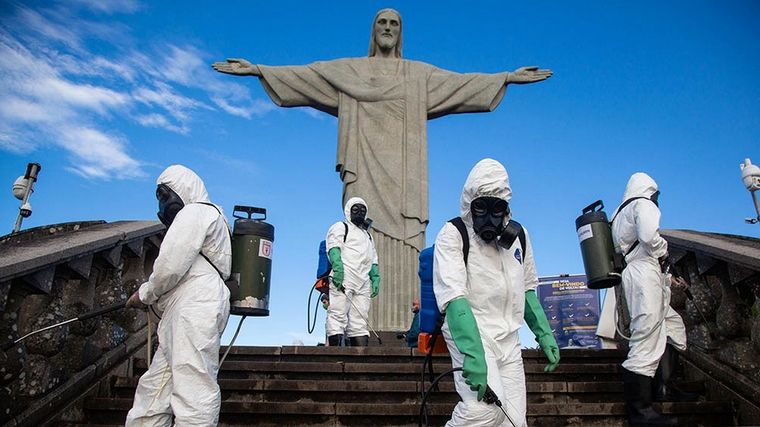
[{"x": 518, "y": 255}]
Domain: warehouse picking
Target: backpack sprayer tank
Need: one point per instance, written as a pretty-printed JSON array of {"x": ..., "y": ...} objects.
[
  {"x": 597, "y": 250},
  {"x": 252, "y": 240},
  {"x": 430, "y": 317}
]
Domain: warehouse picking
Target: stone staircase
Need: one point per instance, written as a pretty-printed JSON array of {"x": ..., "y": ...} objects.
[{"x": 304, "y": 386}]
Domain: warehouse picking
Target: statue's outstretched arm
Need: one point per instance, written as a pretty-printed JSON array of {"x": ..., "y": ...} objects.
[
  {"x": 237, "y": 67},
  {"x": 524, "y": 75}
]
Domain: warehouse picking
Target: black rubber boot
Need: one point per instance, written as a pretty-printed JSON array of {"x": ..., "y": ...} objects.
[
  {"x": 334, "y": 340},
  {"x": 638, "y": 402},
  {"x": 362, "y": 341},
  {"x": 665, "y": 388}
]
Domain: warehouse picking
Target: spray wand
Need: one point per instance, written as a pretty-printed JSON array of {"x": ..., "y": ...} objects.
[
  {"x": 89, "y": 315},
  {"x": 379, "y": 341}
]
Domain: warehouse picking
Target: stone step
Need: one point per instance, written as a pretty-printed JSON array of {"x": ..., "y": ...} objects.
[
  {"x": 360, "y": 371},
  {"x": 396, "y": 355},
  {"x": 113, "y": 411},
  {"x": 385, "y": 391}
]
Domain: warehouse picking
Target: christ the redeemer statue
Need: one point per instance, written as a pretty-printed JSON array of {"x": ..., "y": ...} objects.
[{"x": 383, "y": 103}]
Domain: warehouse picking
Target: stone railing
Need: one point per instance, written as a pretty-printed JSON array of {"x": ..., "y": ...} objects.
[
  {"x": 723, "y": 319},
  {"x": 55, "y": 273}
]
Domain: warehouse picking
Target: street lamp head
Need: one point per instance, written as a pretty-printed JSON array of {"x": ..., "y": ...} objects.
[
  {"x": 25, "y": 210},
  {"x": 751, "y": 180},
  {"x": 19, "y": 187},
  {"x": 750, "y": 175}
]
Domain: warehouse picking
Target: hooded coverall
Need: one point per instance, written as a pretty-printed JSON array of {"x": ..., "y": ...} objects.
[
  {"x": 193, "y": 302},
  {"x": 494, "y": 282},
  {"x": 646, "y": 288},
  {"x": 358, "y": 255}
]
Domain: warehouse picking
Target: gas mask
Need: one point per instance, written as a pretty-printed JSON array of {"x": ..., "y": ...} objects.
[
  {"x": 169, "y": 204},
  {"x": 488, "y": 215},
  {"x": 358, "y": 215},
  {"x": 655, "y": 198}
]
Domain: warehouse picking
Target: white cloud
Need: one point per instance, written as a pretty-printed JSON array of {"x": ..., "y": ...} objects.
[
  {"x": 110, "y": 6},
  {"x": 53, "y": 89},
  {"x": 160, "y": 121},
  {"x": 40, "y": 106},
  {"x": 315, "y": 114},
  {"x": 99, "y": 155},
  {"x": 187, "y": 66},
  {"x": 183, "y": 66},
  {"x": 16, "y": 109},
  {"x": 165, "y": 97},
  {"x": 255, "y": 107},
  {"x": 14, "y": 141},
  {"x": 35, "y": 22},
  {"x": 56, "y": 91},
  {"x": 244, "y": 165}
]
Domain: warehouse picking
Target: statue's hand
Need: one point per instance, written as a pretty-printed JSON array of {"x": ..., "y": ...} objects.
[
  {"x": 237, "y": 67},
  {"x": 525, "y": 75}
]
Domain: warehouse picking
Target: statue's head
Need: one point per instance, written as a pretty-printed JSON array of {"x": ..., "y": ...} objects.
[{"x": 386, "y": 33}]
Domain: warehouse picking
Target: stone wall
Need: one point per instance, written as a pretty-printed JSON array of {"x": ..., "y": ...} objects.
[
  {"x": 723, "y": 319},
  {"x": 55, "y": 273}
]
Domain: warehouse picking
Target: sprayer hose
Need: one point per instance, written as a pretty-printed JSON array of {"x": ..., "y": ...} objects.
[
  {"x": 234, "y": 337},
  {"x": 309, "y": 324}
]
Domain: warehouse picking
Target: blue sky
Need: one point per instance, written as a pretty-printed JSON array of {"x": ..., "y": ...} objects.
[{"x": 106, "y": 94}]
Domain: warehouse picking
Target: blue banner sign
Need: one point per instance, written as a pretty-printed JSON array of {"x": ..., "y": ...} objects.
[{"x": 572, "y": 310}]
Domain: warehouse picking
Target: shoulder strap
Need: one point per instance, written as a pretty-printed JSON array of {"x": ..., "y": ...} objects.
[
  {"x": 210, "y": 204},
  {"x": 345, "y": 233},
  {"x": 228, "y": 231},
  {"x": 633, "y": 246},
  {"x": 459, "y": 224},
  {"x": 521, "y": 236},
  {"x": 212, "y": 264},
  {"x": 624, "y": 204},
  {"x": 620, "y": 209},
  {"x": 220, "y": 214}
]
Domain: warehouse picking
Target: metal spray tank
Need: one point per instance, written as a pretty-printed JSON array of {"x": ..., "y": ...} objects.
[
  {"x": 252, "y": 240},
  {"x": 600, "y": 262}
]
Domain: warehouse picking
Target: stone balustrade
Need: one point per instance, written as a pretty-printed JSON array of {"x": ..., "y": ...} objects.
[
  {"x": 55, "y": 273},
  {"x": 723, "y": 319}
]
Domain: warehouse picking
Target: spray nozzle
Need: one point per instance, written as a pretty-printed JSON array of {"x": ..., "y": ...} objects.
[{"x": 491, "y": 398}]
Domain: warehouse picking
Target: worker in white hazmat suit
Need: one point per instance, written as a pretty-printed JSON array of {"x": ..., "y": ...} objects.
[
  {"x": 657, "y": 331},
  {"x": 485, "y": 296},
  {"x": 355, "y": 276},
  {"x": 187, "y": 290}
]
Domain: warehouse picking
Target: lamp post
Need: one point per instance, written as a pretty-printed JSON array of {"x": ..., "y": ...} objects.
[
  {"x": 751, "y": 180},
  {"x": 22, "y": 189}
]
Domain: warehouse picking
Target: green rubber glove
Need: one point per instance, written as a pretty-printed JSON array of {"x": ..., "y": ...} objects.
[
  {"x": 464, "y": 331},
  {"x": 374, "y": 276},
  {"x": 536, "y": 320},
  {"x": 337, "y": 267}
]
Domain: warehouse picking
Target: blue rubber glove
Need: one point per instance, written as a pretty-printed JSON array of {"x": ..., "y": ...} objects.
[
  {"x": 464, "y": 332},
  {"x": 374, "y": 276},
  {"x": 337, "y": 267},
  {"x": 536, "y": 320}
]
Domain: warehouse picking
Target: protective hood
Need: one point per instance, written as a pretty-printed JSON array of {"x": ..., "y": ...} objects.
[
  {"x": 487, "y": 178},
  {"x": 353, "y": 201},
  {"x": 640, "y": 185},
  {"x": 186, "y": 183}
]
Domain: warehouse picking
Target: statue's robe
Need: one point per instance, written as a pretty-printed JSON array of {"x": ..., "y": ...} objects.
[{"x": 382, "y": 107}]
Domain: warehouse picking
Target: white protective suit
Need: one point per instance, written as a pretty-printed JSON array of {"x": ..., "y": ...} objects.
[
  {"x": 646, "y": 288},
  {"x": 494, "y": 281},
  {"x": 358, "y": 254},
  {"x": 193, "y": 302}
]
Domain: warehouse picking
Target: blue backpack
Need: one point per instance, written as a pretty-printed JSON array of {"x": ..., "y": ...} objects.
[{"x": 323, "y": 265}]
